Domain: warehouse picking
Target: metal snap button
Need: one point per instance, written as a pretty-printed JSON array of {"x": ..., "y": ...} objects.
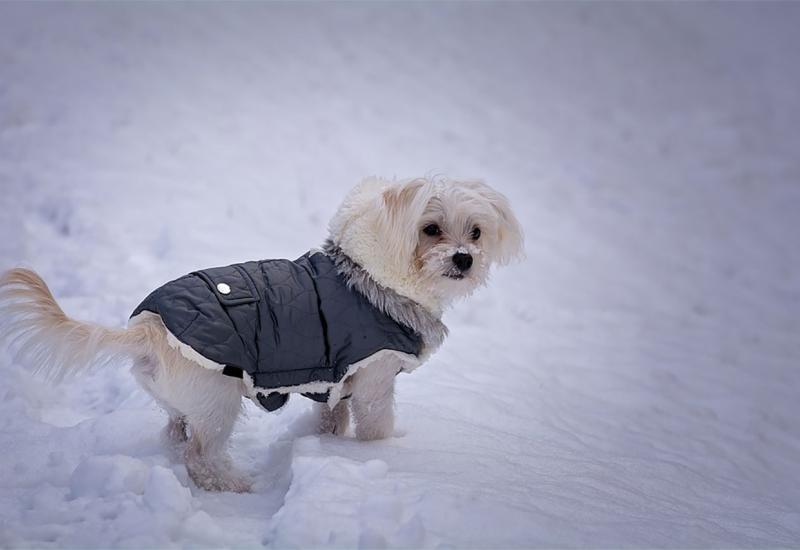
[{"x": 223, "y": 288}]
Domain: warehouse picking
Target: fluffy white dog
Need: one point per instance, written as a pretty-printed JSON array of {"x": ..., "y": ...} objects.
[{"x": 358, "y": 312}]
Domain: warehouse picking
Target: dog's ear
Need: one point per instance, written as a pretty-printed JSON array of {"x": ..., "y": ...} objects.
[
  {"x": 509, "y": 238},
  {"x": 404, "y": 203},
  {"x": 398, "y": 198}
]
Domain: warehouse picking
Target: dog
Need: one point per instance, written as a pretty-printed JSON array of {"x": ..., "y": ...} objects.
[{"x": 336, "y": 325}]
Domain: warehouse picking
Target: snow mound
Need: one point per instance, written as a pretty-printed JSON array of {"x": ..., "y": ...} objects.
[{"x": 102, "y": 476}]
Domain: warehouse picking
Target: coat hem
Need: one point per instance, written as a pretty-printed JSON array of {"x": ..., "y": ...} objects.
[{"x": 409, "y": 361}]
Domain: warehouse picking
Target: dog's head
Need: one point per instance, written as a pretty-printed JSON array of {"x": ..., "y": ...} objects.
[{"x": 430, "y": 240}]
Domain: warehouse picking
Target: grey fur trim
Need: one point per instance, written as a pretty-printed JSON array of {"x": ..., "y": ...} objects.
[{"x": 400, "y": 308}]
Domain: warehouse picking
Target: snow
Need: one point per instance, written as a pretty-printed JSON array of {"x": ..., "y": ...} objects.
[{"x": 633, "y": 383}]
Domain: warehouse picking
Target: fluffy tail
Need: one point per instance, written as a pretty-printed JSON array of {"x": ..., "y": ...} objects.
[{"x": 42, "y": 337}]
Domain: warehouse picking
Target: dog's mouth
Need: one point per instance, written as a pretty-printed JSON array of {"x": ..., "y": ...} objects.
[{"x": 454, "y": 276}]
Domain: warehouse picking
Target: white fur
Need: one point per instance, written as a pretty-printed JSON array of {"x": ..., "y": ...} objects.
[{"x": 379, "y": 226}]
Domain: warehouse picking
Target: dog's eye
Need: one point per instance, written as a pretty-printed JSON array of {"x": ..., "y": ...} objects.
[
  {"x": 432, "y": 230},
  {"x": 476, "y": 234}
]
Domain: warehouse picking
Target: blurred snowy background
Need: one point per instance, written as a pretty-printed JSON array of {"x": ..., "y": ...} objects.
[{"x": 635, "y": 382}]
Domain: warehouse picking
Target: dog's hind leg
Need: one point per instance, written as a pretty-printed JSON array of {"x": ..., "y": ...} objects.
[
  {"x": 211, "y": 413},
  {"x": 203, "y": 402},
  {"x": 145, "y": 371},
  {"x": 207, "y": 461}
]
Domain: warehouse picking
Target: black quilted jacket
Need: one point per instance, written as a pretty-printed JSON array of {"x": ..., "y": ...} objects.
[{"x": 284, "y": 323}]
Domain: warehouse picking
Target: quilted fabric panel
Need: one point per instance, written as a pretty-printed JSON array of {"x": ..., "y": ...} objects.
[
  {"x": 285, "y": 323},
  {"x": 292, "y": 336},
  {"x": 191, "y": 311}
]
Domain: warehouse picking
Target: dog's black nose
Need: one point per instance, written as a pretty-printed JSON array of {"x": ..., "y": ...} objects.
[{"x": 462, "y": 261}]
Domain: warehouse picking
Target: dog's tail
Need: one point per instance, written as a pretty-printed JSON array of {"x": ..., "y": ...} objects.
[{"x": 42, "y": 336}]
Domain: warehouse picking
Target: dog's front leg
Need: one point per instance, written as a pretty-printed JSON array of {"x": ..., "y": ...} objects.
[
  {"x": 373, "y": 400},
  {"x": 333, "y": 421}
]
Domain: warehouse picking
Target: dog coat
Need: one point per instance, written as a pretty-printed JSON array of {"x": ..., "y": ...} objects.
[{"x": 288, "y": 325}]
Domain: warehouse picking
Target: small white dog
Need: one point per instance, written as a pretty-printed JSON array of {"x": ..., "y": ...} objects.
[{"x": 336, "y": 325}]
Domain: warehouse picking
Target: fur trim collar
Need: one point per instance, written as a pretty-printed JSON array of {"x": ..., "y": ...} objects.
[{"x": 400, "y": 308}]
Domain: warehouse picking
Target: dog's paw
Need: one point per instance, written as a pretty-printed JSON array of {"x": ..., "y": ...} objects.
[
  {"x": 334, "y": 421},
  {"x": 332, "y": 428},
  {"x": 218, "y": 482},
  {"x": 217, "y": 475},
  {"x": 327, "y": 425},
  {"x": 236, "y": 484},
  {"x": 371, "y": 432}
]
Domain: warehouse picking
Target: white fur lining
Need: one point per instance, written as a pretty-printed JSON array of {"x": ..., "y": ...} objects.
[
  {"x": 409, "y": 362},
  {"x": 190, "y": 353}
]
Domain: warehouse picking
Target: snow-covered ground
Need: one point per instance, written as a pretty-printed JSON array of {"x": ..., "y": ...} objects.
[{"x": 635, "y": 382}]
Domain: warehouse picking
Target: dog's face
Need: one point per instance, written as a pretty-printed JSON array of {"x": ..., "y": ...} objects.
[
  {"x": 431, "y": 240},
  {"x": 459, "y": 234}
]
